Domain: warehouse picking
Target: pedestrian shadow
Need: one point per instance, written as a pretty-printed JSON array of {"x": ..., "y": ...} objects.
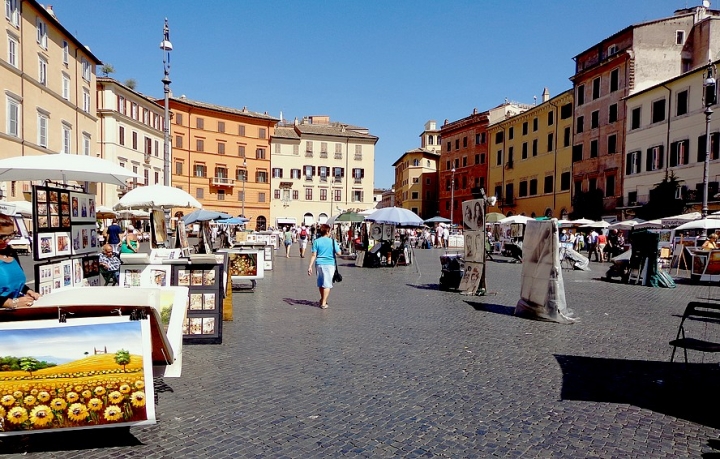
[
  {"x": 69, "y": 440},
  {"x": 293, "y": 302},
  {"x": 492, "y": 307},
  {"x": 685, "y": 391},
  {"x": 424, "y": 286}
]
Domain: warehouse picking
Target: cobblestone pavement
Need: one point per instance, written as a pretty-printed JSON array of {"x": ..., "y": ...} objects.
[{"x": 396, "y": 367}]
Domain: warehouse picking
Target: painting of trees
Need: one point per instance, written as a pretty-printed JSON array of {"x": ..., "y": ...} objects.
[{"x": 122, "y": 358}]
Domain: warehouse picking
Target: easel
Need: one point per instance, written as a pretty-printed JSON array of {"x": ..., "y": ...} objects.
[{"x": 679, "y": 257}]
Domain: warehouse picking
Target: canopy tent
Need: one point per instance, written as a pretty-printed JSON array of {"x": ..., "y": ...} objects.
[
  {"x": 598, "y": 224},
  {"x": 702, "y": 224},
  {"x": 204, "y": 215},
  {"x": 233, "y": 221},
  {"x": 64, "y": 167},
  {"x": 678, "y": 220},
  {"x": 395, "y": 216},
  {"x": 23, "y": 208},
  {"x": 626, "y": 224},
  {"x": 580, "y": 221},
  {"x": 493, "y": 217},
  {"x": 649, "y": 224},
  {"x": 515, "y": 219}
]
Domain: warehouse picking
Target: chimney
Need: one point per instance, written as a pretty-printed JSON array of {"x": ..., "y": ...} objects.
[
  {"x": 50, "y": 11},
  {"x": 545, "y": 95}
]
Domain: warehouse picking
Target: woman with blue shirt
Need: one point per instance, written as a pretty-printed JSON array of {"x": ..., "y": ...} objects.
[
  {"x": 13, "y": 291},
  {"x": 323, "y": 250}
]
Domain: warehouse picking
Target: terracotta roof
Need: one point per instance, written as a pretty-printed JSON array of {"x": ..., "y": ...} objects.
[
  {"x": 234, "y": 111},
  {"x": 285, "y": 133},
  {"x": 334, "y": 130},
  {"x": 425, "y": 151}
]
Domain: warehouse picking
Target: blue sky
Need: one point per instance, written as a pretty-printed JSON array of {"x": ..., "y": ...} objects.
[{"x": 389, "y": 66}]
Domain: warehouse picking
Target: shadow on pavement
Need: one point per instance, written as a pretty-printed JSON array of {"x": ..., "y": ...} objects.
[
  {"x": 675, "y": 389},
  {"x": 494, "y": 308},
  {"x": 68, "y": 441},
  {"x": 424, "y": 286},
  {"x": 293, "y": 301}
]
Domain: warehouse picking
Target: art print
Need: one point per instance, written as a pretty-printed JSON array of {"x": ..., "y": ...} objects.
[
  {"x": 388, "y": 232},
  {"x": 474, "y": 214},
  {"x": 75, "y": 207},
  {"x": 130, "y": 277},
  {"x": 196, "y": 277},
  {"x": 42, "y": 222},
  {"x": 45, "y": 273},
  {"x": 65, "y": 209},
  {"x": 109, "y": 386},
  {"x": 55, "y": 221},
  {"x": 173, "y": 312},
  {"x": 67, "y": 275},
  {"x": 470, "y": 282},
  {"x": 62, "y": 244},
  {"x": 82, "y": 239},
  {"x": 196, "y": 301},
  {"x": 40, "y": 195},
  {"x": 474, "y": 246},
  {"x": 209, "y": 277},
  {"x": 54, "y": 196},
  {"x": 209, "y": 301},
  {"x": 159, "y": 276},
  {"x": 46, "y": 244},
  {"x": 54, "y": 209},
  {"x": 183, "y": 277},
  {"x": 245, "y": 264},
  {"x": 81, "y": 209},
  {"x": 64, "y": 198},
  {"x": 77, "y": 272},
  {"x": 376, "y": 231},
  {"x": 208, "y": 325},
  {"x": 91, "y": 208},
  {"x": 195, "y": 326},
  {"x": 42, "y": 209},
  {"x": 45, "y": 288}
]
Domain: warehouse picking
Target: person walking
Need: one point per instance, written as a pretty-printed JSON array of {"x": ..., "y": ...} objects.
[
  {"x": 288, "y": 241},
  {"x": 112, "y": 235},
  {"x": 324, "y": 249},
  {"x": 303, "y": 240}
]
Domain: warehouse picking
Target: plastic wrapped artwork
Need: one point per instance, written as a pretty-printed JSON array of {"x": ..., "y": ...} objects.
[{"x": 542, "y": 292}]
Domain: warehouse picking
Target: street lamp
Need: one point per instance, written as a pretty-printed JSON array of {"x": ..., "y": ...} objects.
[
  {"x": 452, "y": 198},
  {"x": 244, "y": 179},
  {"x": 709, "y": 99},
  {"x": 166, "y": 46}
]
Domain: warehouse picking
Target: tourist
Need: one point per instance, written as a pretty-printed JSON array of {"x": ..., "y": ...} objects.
[{"x": 324, "y": 249}]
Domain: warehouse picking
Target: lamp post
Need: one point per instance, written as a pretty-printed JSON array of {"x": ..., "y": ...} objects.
[
  {"x": 166, "y": 46},
  {"x": 452, "y": 198},
  {"x": 243, "y": 187},
  {"x": 709, "y": 99}
]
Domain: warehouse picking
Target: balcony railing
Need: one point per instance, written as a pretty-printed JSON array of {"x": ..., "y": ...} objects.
[
  {"x": 222, "y": 181},
  {"x": 358, "y": 180},
  {"x": 323, "y": 154},
  {"x": 308, "y": 154},
  {"x": 358, "y": 156},
  {"x": 338, "y": 155}
]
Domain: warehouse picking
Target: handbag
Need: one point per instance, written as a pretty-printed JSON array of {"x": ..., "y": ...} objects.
[{"x": 337, "y": 277}]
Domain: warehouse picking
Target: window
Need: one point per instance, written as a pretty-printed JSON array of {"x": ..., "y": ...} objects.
[
  {"x": 323, "y": 194},
  {"x": 42, "y": 130},
  {"x": 276, "y": 194},
  {"x": 221, "y": 148},
  {"x": 550, "y": 142},
  {"x": 295, "y": 173},
  {"x": 358, "y": 174},
  {"x": 592, "y": 184},
  {"x": 565, "y": 181},
  {"x": 457, "y": 144},
  {"x": 632, "y": 162},
  {"x": 241, "y": 151},
  {"x": 654, "y": 160},
  {"x": 178, "y": 168},
  {"x": 499, "y": 137},
  {"x": 523, "y": 189},
  {"x": 309, "y": 171},
  {"x": 679, "y": 37},
  {"x": 241, "y": 130},
  {"x": 13, "y": 117},
  {"x": 535, "y": 147},
  {"x": 565, "y": 111},
  {"x": 146, "y": 177},
  {"x": 714, "y": 147},
  {"x": 221, "y": 195},
  {"x": 338, "y": 172},
  {"x": 635, "y": 118},
  {"x": 221, "y": 126},
  {"x": 596, "y": 88},
  {"x": 566, "y": 137},
  {"x": 199, "y": 145},
  {"x": 464, "y": 142},
  {"x": 580, "y": 95},
  {"x": 200, "y": 193},
  {"x": 609, "y": 186},
  {"x": 277, "y": 172},
  {"x": 121, "y": 135},
  {"x": 308, "y": 194},
  {"x": 241, "y": 175},
  {"x": 135, "y": 140},
  {"x": 295, "y": 195},
  {"x": 66, "y": 139},
  {"x": 12, "y": 12},
  {"x": 612, "y": 144},
  {"x": 679, "y": 153},
  {"x": 86, "y": 100},
  {"x": 510, "y": 156},
  {"x": 594, "y": 148},
  {"x": 414, "y": 195},
  {"x": 200, "y": 170},
  {"x": 499, "y": 160},
  {"x": 260, "y": 153},
  {"x": 577, "y": 154},
  {"x": 296, "y": 150},
  {"x": 658, "y": 111},
  {"x": 580, "y": 124},
  {"x": 357, "y": 195},
  {"x": 179, "y": 119},
  {"x": 200, "y": 123},
  {"x": 595, "y": 119},
  {"x": 535, "y": 124},
  {"x": 682, "y": 103},
  {"x": 612, "y": 113},
  {"x": 262, "y": 133},
  {"x": 511, "y": 133},
  {"x": 42, "y": 71},
  {"x": 448, "y": 146},
  {"x": 134, "y": 111},
  {"x": 261, "y": 176},
  {"x": 12, "y": 51},
  {"x": 551, "y": 118},
  {"x": 525, "y": 128},
  {"x": 464, "y": 161},
  {"x": 338, "y": 195},
  {"x": 65, "y": 87},
  {"x": 178, "y": 141},
  {"x": 614, "y": 80},
  {"x": 41, "y": 33},
  {"x": 66, "y": 52},
  {"x": 157, "y": 177},
  {"x": 477, "y": 159},
  {"x": 86, "y": 69}
]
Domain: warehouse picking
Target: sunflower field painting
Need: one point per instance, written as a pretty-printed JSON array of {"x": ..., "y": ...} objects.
[{"x": 86, "y": 373}]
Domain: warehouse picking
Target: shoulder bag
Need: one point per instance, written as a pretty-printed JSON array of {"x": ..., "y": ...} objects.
[{"x": 337, "y": 277}]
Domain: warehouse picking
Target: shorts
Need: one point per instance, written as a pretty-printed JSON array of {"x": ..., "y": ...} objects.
[
  {"x": 288, "y": 243},
  {"x": 325, "y": 275},
  {"x": 303, "y": 243}
]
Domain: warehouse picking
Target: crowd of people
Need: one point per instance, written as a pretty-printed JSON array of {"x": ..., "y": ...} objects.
[{"x": 603, "y": 245}]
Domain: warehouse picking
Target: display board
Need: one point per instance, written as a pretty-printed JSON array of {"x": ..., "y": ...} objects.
[
  {"x": 203, "y": 323},
  {"x": 74, "y": 272},
  {"x": 145, "y": 275}
]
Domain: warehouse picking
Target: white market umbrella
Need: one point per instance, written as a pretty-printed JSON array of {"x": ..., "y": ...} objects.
[
  {"x": 156, "y": 196},
  {"x": 626, "y": 224},
  {"x": 600, "y": 224},
  {"x": 104, "y": 212},
  {"x": 23, "y": 208},
  {"x": 702, "y": 224},
  {"x": 133, "y": 213},
  {"x": 515, "y": 219},
  {"x": 581, "y": 221},
  {"x": 367, "y": 212},
  {"x": 649, "y": 224},
  {"x": 395, "y": 216},
  {"x": 64, "y": 167}
]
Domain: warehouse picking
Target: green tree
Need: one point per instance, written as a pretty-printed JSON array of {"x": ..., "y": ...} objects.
[
  {"x": 29, "y": 364},
  {"x": 588, "y": 204},
  {"x": 663, "y": 200},
  {"x": 130, "y": 83},
  {"x": 122, "y": 357},
  {"x": 107, "y": 69}
]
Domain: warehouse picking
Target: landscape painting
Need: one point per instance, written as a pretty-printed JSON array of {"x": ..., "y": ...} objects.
[{"x": 86, "y": 373}]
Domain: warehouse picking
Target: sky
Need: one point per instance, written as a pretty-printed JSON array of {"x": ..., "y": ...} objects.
[{"x": 389, "y": 66}]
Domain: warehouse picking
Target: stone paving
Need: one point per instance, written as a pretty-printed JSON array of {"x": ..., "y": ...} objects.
[{"x": 396, "y": 367}]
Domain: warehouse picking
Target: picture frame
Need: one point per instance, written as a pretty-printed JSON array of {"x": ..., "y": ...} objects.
[
  {"x": 158, "y": 229},
  {"x": 82, "y": 207},
  {"x": 388, "y": 232},
  {"x": 245, "y": 264},
  {"x": 45, "y": 246},
  {"x": 62, "y": 243}
]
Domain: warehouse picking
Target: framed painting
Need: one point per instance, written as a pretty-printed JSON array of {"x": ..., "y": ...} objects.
[
  {"x": 245, "y": 264},
  {"x": 173, "y": 312},
  {"x": 110, "y": 385},
  {"x": 62, "y": 243}
]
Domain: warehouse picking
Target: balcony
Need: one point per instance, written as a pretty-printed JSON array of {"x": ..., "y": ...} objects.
[
  {"x": 358, "y": 156},
  {"x": 309, "y": 154},
  {"x": 357, "y": 180},
  {"x": 323, "y": 154},
  {"x": 338, "y": 155},
  {"x": 222, "y": 181}
]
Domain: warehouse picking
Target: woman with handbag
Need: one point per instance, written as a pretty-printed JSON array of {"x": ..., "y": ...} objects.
[{"x": 324, "y": 249}]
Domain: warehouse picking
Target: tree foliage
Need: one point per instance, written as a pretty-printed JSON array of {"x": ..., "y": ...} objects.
[
  {"x": 588, "y": 204},
  {"x": 130, "y": 83},
  {"x": 10, "y": 363},
  {"x": 107, "y": 69},
  {"x": 122, "y": 358},
  {"x": 663, "y": 200}
]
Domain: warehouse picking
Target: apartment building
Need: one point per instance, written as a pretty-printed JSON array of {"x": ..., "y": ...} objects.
[
  {"x": 416, "y": 182},
  {"x": 463, "y": 160},
  {"x": 633, "y": 59},
  {"x": 529, "y": 169},
  {"x": 320, "y": 168},
  {"x": 220, "y": 155},
  {"x": 129, "y": 133},
  {"x": 666, "y": 137},
  {"x": 49, "y": 82}
]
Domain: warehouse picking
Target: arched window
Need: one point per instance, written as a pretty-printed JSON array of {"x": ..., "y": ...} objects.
[
  {"x": 308, "y": 219},
  {"x": 260, "y": 223},
  {"x": 548, "y": 212},
  {"x": 322, "y": 218}
]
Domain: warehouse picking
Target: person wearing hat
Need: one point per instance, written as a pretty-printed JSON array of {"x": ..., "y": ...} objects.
[
  {"x": 129, "y": 243},
  {"x": 563, "y": 236}
]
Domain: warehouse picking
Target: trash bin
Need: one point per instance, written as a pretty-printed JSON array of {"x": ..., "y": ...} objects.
[{"x": 453, "y": 269}]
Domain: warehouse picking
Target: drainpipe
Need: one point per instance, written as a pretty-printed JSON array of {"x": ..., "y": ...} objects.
[{"x": 556, "y": 142}]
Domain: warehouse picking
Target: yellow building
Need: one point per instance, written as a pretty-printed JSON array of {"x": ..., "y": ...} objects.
[
  {"x": 530, "y": 165},
  {"x": 416, "y": 176},
  {"x": 48, "y": 80},
  {"x": 221, "y": 156}
]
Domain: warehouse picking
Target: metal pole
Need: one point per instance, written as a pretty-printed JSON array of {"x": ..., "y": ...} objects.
[
  {"x": 243, "y": 187},
  {"x": 706, "y": 169},
  {"x": 166, "y": 46},
  {"x": 452, "y": 199}
]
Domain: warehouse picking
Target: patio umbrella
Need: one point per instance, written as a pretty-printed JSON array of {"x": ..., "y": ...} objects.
[
  {"x": 133, "y": 213},
  {"x": 703, "y": 224},
  {"x": 64, "y": 167},
  {"x": 203, "y": 215},
  {"x": 104, "y": 212},
  {"x": 156, "y": 196},
  {"x": 395, "y": 216},
  {"x": 349, "y": 217},
  {"x": 493, "y": 217},
  {"x": 438, "y": 219},
  {"x": 649, "y": 224},
  {"x": 581, "y": 221},
  {"x": 626, "y": 224},
  {"x": 514, "y": 219},
  {"x": 599, "y": 224},
  {"x": 234, "y": 221}
]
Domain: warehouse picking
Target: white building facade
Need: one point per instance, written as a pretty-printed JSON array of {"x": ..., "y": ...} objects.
[{"x": 319, "y": 169}]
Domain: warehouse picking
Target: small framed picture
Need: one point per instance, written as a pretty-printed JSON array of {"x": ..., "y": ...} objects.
[
  {"x": 130, "y": 277},
  {"x": 195, "y": 326},
  {"x": 42, "y": 222},
  {"x": 208, "y": 325},
  {"x": 209, "y": 301},
  {"x": 46, "y": 243},
  {"x": 159, "y": 276},
  {"x": 62, "y": 244},
  {"x": 183, "y": 277},
  {"x": 196, "y": 301},
  {"x": 196, "y": 277},
  {"x": 55, "y": 221},
  {"x": 209, "y": 277},
  {"x": 41, "y": 195}
]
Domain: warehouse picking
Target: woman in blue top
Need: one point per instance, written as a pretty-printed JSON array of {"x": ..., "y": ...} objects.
[
  {"x": 13, "y": 291},
  {"x": 324, "y": 261}
]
